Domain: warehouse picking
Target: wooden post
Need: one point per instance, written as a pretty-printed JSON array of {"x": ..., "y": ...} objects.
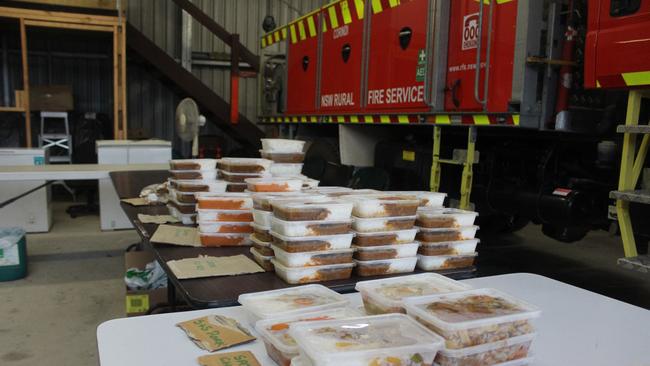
[{"x": 23, "y": 53}]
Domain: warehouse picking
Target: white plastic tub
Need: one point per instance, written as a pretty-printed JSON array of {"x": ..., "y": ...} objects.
[
  {"x": 392, "y": 339},
  {"x": 329, "y": 190},
  {"x": 298, "y": 244},
  {"x": 239, "y": 177},
  {"x": 442, "y": 262},
  {"x": 264, "y": 248},
  {"x": 310, "y": 228},
  {"x": 193, "y": 164},
  {"x": 181, "y": 197},
  {"x": 225, "y": 239},
  {"x": 280, "y": 346},
  {"x": 237, "y": 187},
  {"x": 445, "y": 217},
  {"x": 473, "y": 317},
  {"x": 216, "y": 186},
  {"x": 263, "y": 260},
  {"x": 386, "y": 252},
  {"x": 449, "y": 247},
  {"x": 310, "y": 259},
  {"x": 426, "y": 235},
  {"x": 207, "y": 215},
  {"x": 274, "y": 184},
  {"x": 382, "y": 224},
  {"x": 283, "y": 158},
  {"x": 282, "y": 145},
  {"x": 497, "y": 353},
  {"x": 387, "y": 295},
  {"x": 283, "y": 170},
  {"x": 312, "y": 211},
  {"x": 194, "y": 174},
  {"x": 186, "y": 219},
  {"x": 385, "y": 238},
  {"x": 262, "y": 233},
  {"x": 224, "y": 201},
  {"x": 244, "y": 165},
  {"x": 264, "y": 201},
  {"x": 385, "y": 266},
  {"x": 300, "y": 275},
  {"x": 383, "y": 205},
  {"x": 225, "y": 227},
  {"x": 290, "y": 301},
  {"x": 262, "y": 218}
]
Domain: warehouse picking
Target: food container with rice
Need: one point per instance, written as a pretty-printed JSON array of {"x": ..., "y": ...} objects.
[
  {"x": 224, "y": 201},
  {"x": 383, "y": 224},
  {"x": 385, "y": 238},
  {"x": 244, "y": 165},
  {"x": 264, "y": 248},
  {"x": 496, "y": 353},
  {"x": 225, "y": 227},
  {"x": 224, "y": 239},
  {"x": 193, "y": 164},
  {"x": 262, "y": 233},
  {"x": 309, "y": 259},
  {"x": 385, "y": 266},
  {"x": 283, "y": 170},
  {"x": 446, "y": 234},
  {"x": 295, "y": 244},
  {"x": 310, "y": 228},
  {"x": 239, "y": 177},
  {"x": 312, "y": 211},
  {"x": 208, "y": 215},
  {"x": 263, "y": 260},
  {"x": 386, "y": 251},
  {"x": 383, "y": 205},
  {"x": 274, "y": 184},
  {"x": 198, "y": 185},
  {"x": 449, "y": 247},
  {"x": 445, "y": 217},
  {"x": 443, "y": 262},
  {"x": 282, "y": 146},
  {"x": 193, "y": 174},
  {"x": 300, "y": 275},
  {"x": 283, "y": 157}
]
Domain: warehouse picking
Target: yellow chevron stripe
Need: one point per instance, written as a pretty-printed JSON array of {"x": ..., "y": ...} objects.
[
  {"x": 312, "y": 26},
  {"x": 393, "y": 3},
  {"x": 269, "y": 39},
  {"x": 294, "y": 38},
  {"x": 294, "y": 119},
  {"x": 345, "y": 10},
  {"x": 481, "y": 119},
  {"x": 340, "y": 119},
  {"x": 263, "y": 42},
  {"x": 403, "y": 119},
  {"x": 313, "y": 119},
  {"x": 284, "y": 33},
  {"x": 354, "y": 119},
  {"x": 636, "y": 78},
  {"x": 384, "y": 119},
  {"x": 443, "y": 119},
  {"x": 598, "y": 84},
  {"x": 301, "y": 30},
  {"x": 515, "y": 119},
  {"x": 358, "y": 4},
  {"x": 276, "y": 36},
  {"x": 376, "y": 7},
  {"x": 303, "y": 119},
  {"x": 368, "y": 119},
  {"x": 334, "y": 21},
  {"x": 324, "y": 23}
]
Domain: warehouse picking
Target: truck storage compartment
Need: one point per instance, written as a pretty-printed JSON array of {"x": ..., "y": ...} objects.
[{"x": 302, "y": 65}]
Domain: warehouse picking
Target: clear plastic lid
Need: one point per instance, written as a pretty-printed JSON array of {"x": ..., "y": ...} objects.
[
  {"x": 264, "y": 201},
  {"x": 274, "y": 184},
  {"x": 428, "y": 199},
  {"x": 470, "y": 309},
  {"x": 276, "y": 330},
  {"x": 193, "y": 164},
  {"x": 391, "y": 291},
  {"x": 282, "y": 145},
  {"x": 309, "y": 211},
  {"x": 392, "y": 336},
  {"x": 290, "y": 301}
]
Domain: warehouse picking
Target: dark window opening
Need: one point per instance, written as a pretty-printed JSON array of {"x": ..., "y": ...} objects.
[{"x": 619, "y": 8}]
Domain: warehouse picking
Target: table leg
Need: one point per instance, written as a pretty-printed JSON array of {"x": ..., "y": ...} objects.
[{"x": 171, "y": 295}]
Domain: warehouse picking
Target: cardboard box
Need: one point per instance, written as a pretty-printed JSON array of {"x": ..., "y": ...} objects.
[
  {"x": 51, "y": 98},
  {"x": 139, "y": 302}
]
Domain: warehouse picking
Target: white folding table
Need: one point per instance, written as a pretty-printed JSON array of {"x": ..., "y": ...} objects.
[{"x": 577, "y": 327}]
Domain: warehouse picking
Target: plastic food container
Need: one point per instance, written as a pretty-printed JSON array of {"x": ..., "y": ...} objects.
[
  {"x": 198, "y": 185},
  {"x": 329, "y": 190},
  {"x": 181, "y": 197},
  {"x": 274, "y": 184},
  {"x": 449, "y": 247},
  {"x": 298, "y": 244},
  {"x": 244, "y": 165},
  {"x": 312, "y": 211},
  {"x": 385, "y": 266},
  {"x": 224, "y": 201},
  {"x": 309, "y": 259},
  {"x": 263, "y": 201},
  {"x": 446, "y": 234},
  {"x": 473, "y": 317},
  {"x": 239, "y": 177},
  {"x": 427, "y": 199},
  {"x": 262, "y": 218},
  {"x": 445, "y": 217},
  {"x": 386, "y": 295},
  {"x": 225, "y": 227},
  {"x": 441, "y": 262},
  {"x": 194, "y": 174},
  {"x": 224, "y": 215},
  {"x": 299, "y": 275},
  {"x": 487, "y": 354},
  {"x": 236, "y": 187},
  {"x": 283, "y": 158},
  {"x": 263, "y": 260},
  {"x": 383, "y": 224},
  {"x": 280, "y": 346},
  {"x": 310, "y": 228},
  {"x": 225, "y": 239},
  {"x": 282, "y": 145},
  {"x": 193, "y": 164},
  {"x": 263, "y": 248},
  {"x": 385, "y": 238},
  {"x": 262, "y": 233},
  {"x": 391, "y": 339},
  {"x": 290, "y": 301},
  {"x": 383, "y": 205},
  {"x": 386, "y": 252},
  {"x": 281, "y": 170},
  {"x": 184, "y": 208},
  {"x": 185, "y": 218}
]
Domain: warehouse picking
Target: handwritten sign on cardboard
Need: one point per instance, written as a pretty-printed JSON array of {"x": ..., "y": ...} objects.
[
  {"x": 177, "y": 235},
  {"x": 157, "y": 219},
  {"x": 215, "y": 332},
  {"x": 206, "y": 266},
  {"x": 242, "y": 358}
]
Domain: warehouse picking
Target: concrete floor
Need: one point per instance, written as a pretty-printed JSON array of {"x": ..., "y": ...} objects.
[{"x": 75, "y": 283}]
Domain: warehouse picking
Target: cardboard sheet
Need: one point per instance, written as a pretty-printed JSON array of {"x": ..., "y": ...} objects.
[
  {"x": 206, "y": 266},
  {"x": 241, "y": 358},
  {"x": 177, "y": 235},
  {"x": 157, "y": 219},
  {"x": 215, "y": 332},
  {"x": 138, "y": 201}
]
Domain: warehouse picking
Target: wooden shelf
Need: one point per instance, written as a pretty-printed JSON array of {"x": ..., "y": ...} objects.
[{"x": 12, "y": 109}]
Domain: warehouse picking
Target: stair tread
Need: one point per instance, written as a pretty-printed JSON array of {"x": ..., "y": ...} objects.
[
  {"x": 638, "y": 196},
  {"x": 640, "y": 263},
  {"x": 633, "y": 129}
]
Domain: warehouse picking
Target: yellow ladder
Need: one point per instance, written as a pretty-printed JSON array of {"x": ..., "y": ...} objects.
[
  {"x": 631, "y": 166},
  {"x": 467, "y": 163}
]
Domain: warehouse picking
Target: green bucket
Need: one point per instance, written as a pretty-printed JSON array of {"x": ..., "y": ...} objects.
[{"x": 13, "y": 254}]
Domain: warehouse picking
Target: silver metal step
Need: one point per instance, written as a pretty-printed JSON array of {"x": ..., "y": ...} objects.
[
  {"x": 638, "y": 196},
  {"x": 643, "y": 129},
  {"x": 60, "y": 159},
  {"x": 639, "y": 263}
]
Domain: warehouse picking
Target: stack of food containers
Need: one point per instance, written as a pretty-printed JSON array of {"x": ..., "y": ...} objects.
[
  {"x": 235, "y": 171},
  {"x": 446, "y": 238},
  {"x": 287, "y": 156},
  {"x": 385, "y": 233},
  {"x": 224, "y": 218},
  {"x": 189, "y": 176},
  {"x": 311, "y": 240},
  {"x": 480, "y": 327}
]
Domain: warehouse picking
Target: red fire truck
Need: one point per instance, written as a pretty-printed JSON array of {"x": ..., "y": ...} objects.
[{"x": 542, "y": 82}]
